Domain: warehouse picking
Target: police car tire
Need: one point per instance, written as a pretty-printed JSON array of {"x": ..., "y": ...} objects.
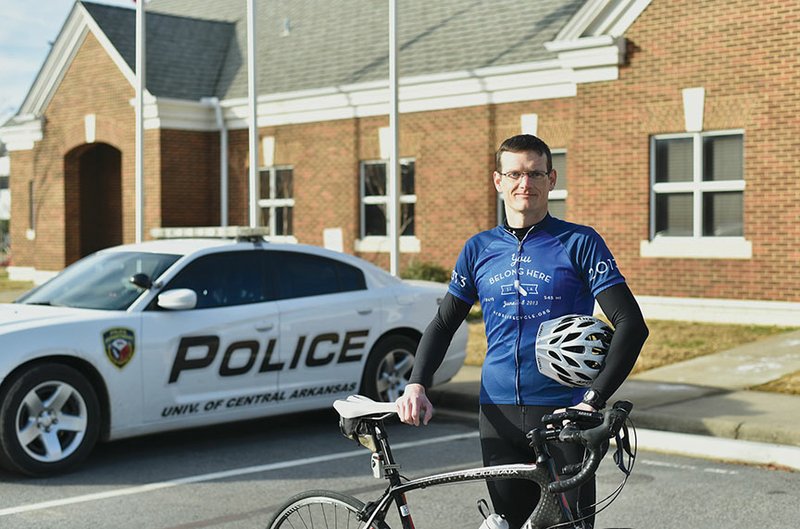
[
  {"x": 401, "y": 349},
  {"x": 44, "y": 379}
]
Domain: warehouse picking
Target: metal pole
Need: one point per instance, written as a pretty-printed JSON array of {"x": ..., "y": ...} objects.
[
  {"x": 139, "y": 149},
  {"x": 252, "y": 94},
  {"x": 394, "y": 162}
]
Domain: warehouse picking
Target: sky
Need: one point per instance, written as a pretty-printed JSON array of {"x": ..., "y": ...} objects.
[{"x": 27, "y": 28}]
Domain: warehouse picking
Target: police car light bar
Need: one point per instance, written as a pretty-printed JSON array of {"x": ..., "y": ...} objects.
[{"x": 215, "y": 232}]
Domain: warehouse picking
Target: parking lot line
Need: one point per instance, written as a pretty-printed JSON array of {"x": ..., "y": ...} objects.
[{"x": 141, "y": 489}]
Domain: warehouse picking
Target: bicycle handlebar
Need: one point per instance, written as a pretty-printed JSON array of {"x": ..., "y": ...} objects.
[{"x": 592, "y": 439}]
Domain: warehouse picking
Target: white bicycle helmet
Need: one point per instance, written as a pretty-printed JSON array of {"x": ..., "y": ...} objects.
[{"x": 572, "y": 349}]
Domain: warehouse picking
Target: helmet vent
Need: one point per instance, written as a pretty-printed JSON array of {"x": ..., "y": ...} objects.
[{"x": 571, "y": 349}]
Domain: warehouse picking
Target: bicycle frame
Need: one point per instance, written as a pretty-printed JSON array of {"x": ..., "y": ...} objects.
[{"x": 548, "y": 511}]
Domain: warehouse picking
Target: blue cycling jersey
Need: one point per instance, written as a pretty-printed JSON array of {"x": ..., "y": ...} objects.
[{"x": 558, "y": 268}]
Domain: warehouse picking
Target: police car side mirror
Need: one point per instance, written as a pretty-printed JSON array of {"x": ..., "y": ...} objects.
[
  {"x": 178, "y": 299},
  {"x": 141, "y": 280}
]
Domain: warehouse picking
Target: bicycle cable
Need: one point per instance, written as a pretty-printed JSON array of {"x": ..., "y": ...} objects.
[{"x": 601, "y": 505}]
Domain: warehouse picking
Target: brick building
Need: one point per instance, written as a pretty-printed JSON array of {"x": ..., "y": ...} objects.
[{"x": 674, "y": 127}]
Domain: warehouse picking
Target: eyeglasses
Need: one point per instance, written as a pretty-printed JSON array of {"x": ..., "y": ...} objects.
[{"x": 532, "y": 175}]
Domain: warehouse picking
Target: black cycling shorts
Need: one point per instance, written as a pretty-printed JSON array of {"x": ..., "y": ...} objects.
[{"x": 503, "y": 428}]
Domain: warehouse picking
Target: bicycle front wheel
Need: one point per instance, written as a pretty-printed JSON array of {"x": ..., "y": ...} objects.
[{"x": 320, "y": 509}]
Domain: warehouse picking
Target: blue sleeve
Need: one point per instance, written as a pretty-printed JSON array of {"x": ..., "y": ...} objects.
[
  {"x": 462, "y": 280},
  {"x": 597, "y": 265}
]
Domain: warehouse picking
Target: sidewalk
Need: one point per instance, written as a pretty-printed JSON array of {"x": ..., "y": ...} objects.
[{"x": 704, "y": 396}]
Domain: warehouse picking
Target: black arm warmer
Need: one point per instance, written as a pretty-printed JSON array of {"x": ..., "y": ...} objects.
[
  {"x": 630, "y": 332},
  {"x": 436, "y": 339}
]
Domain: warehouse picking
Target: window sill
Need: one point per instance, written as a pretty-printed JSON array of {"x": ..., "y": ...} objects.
[
  {"x": 697, "y": 248},
  {"x": 408, "y": 244}
]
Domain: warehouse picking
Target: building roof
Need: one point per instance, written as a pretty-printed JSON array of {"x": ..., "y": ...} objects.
[
  {"x": 328, "y": 59},
  {"x": 198, "y": 49},
  {"x": 184, "y": 55}
]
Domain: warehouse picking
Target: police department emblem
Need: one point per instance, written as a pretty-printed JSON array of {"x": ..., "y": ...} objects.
[{"x": 119, "y": 344}]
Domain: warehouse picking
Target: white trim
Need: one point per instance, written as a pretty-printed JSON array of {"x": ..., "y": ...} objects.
[
  {"x": 374, "y": 244},
  {"x": 23, "y": 135},
  {"x": 179, "y": 114},
  {"x": 55, "y": 66},
  {"x": 596, "y": 17},
  {"x": 697, "y": 248},
  {"x": 268, "y": 151},
  {"x": 90, "y": 127},
  {"x": 529, "y": 124},
  {"x": 715, "y": 310},
  {"x": 693, "y": 104}
]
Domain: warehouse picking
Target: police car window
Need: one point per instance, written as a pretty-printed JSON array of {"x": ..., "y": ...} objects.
[
  {"x": 298, "y": 275},
  {"x": 100, "y": 281},
  {"x": 223, "y": 279}
]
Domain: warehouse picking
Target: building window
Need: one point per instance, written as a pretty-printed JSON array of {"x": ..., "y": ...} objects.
[
  {"x": 375, "y": 199},
  {"x": 277, "y": 200},
  {"x": 557, "y": 200},
  {"x": 697, "y": 185}
]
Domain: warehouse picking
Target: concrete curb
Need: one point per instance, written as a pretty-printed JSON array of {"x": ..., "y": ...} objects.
[{"x": 737, "y": 426}]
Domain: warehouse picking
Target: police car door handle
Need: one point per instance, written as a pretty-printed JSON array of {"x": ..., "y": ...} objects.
[
  {"x": 364, "y": 312},
  {"x": 264, "y": 326}
]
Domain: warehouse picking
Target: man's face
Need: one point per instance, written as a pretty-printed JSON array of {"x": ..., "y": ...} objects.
[{"x": 526, "y": 195}]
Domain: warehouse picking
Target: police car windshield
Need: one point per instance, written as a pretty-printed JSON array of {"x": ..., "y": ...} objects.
[{"x": 100, "y": 281}]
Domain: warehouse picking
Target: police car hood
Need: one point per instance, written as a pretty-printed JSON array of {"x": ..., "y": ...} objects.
[{"x": 17, "y": 316}]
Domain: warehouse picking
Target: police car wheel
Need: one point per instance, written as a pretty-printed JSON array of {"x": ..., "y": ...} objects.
[
  {"x": 388, "y": 368},
  {"x": 49, "y": 420}
]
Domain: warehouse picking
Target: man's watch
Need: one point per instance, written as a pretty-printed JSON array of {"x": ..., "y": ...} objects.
[{"x": 593, "y": 399}]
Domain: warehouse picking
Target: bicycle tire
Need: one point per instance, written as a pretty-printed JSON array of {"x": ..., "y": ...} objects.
[{"x": 321, "y": 509}]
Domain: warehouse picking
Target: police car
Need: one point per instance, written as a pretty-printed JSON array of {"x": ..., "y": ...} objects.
[{"x": 178, "y": 333}]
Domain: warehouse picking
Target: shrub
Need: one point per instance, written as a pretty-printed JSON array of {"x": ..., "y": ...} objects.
[{"x": 426, "y": 271}]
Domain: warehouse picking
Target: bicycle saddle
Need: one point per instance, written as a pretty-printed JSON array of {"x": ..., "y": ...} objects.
[{"x": 356, "y": 406}]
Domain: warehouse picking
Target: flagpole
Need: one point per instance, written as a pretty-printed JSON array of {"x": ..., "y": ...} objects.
[
  {"x": 139, "y": 142},
  {"x": 394, "y": 163},
  {"x": 253, "y": 129}
]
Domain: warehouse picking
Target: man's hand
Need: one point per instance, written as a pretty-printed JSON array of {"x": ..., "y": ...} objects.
[
  {"x": 580, "y": 406},
  {"x": 414, "y": 405}
]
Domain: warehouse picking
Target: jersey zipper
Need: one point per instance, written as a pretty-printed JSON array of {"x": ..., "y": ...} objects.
[{"x": 520, "y": 290}]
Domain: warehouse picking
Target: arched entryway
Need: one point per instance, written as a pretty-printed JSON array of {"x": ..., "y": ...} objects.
[{"x": 93, "y": 197}]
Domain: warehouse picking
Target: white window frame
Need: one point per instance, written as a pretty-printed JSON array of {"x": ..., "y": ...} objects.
[
  {"x": 696, "y": 246},
  {"x": 272, "y": 203},
  {"x": 381, "y": 243}
]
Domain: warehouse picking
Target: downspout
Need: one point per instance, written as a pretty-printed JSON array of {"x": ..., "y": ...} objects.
[{"x": 223, "y": 158}]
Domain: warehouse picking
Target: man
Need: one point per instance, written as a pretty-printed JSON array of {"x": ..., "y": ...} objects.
[{"x": 532, "y": 269}]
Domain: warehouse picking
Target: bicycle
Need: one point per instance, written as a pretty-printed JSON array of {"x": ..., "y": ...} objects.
[{"x": 362, "y": 420}]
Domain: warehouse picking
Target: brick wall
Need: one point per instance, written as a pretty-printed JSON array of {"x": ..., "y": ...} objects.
[
  {"x": 745, "y": 55},
  {"x": 189, "y": 179},
  {"x": 92, "y": 85}
]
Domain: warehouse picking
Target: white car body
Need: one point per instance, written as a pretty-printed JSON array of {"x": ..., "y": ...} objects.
[{"x": 155, "y": 369}]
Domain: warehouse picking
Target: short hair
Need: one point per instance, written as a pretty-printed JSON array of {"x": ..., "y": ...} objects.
[{"x": 524, "y": 143}]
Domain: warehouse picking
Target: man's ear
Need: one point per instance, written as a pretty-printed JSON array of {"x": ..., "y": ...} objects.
[
  {"x": 497, "y": 178},
  {"x": 553, "y": 178}
]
